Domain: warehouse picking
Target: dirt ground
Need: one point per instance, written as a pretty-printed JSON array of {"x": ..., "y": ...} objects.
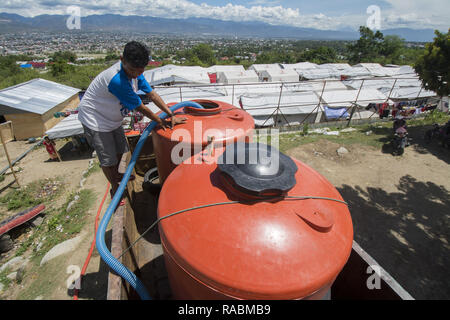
[
  {"x": 34, "y": 167},
  {"x": 400, "y": 208},
  {"x": 399, "y": 205}
]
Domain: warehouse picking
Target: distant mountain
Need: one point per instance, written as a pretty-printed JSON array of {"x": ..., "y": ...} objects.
[
  {"x": 208, "y": 27},
  {"x": 420, "y": 35}
]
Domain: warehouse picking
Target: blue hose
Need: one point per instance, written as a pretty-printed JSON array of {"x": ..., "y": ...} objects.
[{"x": 109, "y": 259}]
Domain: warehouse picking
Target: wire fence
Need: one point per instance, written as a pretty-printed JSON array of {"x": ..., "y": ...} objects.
[{"x": 276, "y": 113}]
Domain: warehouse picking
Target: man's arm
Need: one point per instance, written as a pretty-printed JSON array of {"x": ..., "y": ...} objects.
[
  {"x": 162, "y": 105},
  {"x": 159, "y": 102}
]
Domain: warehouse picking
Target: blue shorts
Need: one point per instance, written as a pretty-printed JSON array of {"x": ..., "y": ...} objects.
[{"x": 107, "y": 145}]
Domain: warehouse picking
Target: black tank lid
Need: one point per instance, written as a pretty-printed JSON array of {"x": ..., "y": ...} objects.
[{"x": 258, "y": 169}]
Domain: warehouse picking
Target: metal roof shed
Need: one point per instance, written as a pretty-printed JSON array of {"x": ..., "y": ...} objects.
[{"x": 30, "y": 106}]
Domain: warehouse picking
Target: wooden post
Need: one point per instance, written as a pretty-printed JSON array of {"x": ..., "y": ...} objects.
[{"x": 9, "y": 160}]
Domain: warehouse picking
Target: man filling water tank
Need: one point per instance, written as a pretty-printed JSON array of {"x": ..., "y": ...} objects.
[{"x": 109, "y": 98}]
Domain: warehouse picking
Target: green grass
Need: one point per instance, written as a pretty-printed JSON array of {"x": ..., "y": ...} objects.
[
  {"x": 35, "y": 193},
  {"x": 62, "y": 224},
  {"x": 381, "y": 133},
  {"x": 3, "y": 279},
  {"x": 95, "y": 168}
]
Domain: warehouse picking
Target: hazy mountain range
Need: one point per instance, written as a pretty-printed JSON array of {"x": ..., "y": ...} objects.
[{"x": 10, "y": 23}]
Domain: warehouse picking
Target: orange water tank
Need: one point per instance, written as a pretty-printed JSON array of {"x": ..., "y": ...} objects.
[
  {"x": 218, "y": 124},
  {"x": 257, "y": 240}
]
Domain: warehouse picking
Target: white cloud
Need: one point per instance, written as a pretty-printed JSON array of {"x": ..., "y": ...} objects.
[{"x": 409, "y": 13}]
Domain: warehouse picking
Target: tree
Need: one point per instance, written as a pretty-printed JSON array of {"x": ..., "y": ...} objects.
[
  {"x": 67, "y": 56},
  {"x": 319, "y": 55},
  {"x": 433, "y": 66},
  {"x": 202, "y": 53},
  {"x": 368, "y": 47}
]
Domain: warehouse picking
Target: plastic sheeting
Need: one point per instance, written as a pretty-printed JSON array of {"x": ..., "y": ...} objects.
[
  {"x": 345, "y": 98},
  {"x": 280, "y": 75},
  {"x": 176, "y": 74},
  {"x": 336, "y": 113},
  {"x": 298, "y": 103},
  {"x": 235, "y": 77},
  {"x": 67, "y": 127}
]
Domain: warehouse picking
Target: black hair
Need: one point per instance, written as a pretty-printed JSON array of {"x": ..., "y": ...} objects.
[{"x": 136, "y": 54}]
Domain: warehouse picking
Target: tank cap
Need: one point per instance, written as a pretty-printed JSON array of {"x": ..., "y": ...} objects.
[{"x": 257, "y": 169}]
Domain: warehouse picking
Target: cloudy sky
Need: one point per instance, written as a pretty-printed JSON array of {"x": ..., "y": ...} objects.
[{"x": 319, "y": 14}]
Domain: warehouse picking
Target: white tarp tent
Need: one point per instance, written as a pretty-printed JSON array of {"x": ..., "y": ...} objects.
[
  {"x": 335, "y": 66},
  {"x": 233, "y": 77},
  {"x": 225, "y": 68},
  {"x": 259, "y": 68},
  {"x": 300, "y": 65},
  {"x": 408, "y": 93},
  {"x": 318, "y": 73},
  {"x": 67, "y": 127},
  {"x": 345, "y": 98},
  {"x": 279, "y": 75},
  {"x": 290, "y": 104},
  {"x": 171, "y": 74}
]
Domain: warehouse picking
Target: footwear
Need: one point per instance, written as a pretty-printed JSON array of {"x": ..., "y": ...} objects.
[{"x": 122, "y": 201}]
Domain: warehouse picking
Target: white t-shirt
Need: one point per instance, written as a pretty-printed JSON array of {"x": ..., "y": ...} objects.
[{"x": 109, "y": 98}]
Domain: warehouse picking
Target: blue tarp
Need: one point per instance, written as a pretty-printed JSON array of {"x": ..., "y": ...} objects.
[
  {"x": 28, "y": 65},
  {"x": 336, "y": 113}
]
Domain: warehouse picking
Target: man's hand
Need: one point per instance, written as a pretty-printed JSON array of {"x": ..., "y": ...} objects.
[
  {"x": 177, "y": 120},
  {"x": 172, "y": 122}
]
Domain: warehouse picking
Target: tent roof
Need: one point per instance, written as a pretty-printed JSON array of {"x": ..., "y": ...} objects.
[
  {"x": 345, "y": 98},
  {"x": 261, "y": 67},
  {"x": 176, "y": 74},
  {"x": 67, "y": 127},
  {"x": 300, "y": 65},
  {"x": 35, "y": 96},
  {"x": 292, "y": 103},
  {"x": 225, "y": 68},
  {"x": 238, "y": 76}
]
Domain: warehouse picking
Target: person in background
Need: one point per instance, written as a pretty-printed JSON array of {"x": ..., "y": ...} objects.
[
  {"x": 108, "y": 99},
  {"x": 51, "y": 148}
]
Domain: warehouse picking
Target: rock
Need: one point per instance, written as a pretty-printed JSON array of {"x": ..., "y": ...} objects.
[
  {"x": 82, "y": 182},
  {"x": 12, "y": 276},
  {"x": 341, "y": 151},
  {"x": 368, "y": 133},
  {"x": 348, "y": 130},
  {"x": 20, "y": 273},
  {"x": 14, "y": 264},
  {"x": 6, "y": 243},
  {"x": 62, "y": 248},
  {"x": 94, "y": 154},
  {"x": 331, "y": 133},
  {"x": 37, "y": 221}
]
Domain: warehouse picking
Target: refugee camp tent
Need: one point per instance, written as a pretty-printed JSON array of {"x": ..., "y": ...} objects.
[
  {"x": 300, "y": 65},
  {"x": 336, "y": 66},
  {"x": 279, "y": 75},
  {"x": 171, "y": 74},
  {"x": 225, "y": 68},
  {"x": 67, "y": 127},
  {"x": 233, "y": 77},
  {"x": 318, "y": 73},
  {"x": 259, "y": 68},
  {"x": 294, "y": 108}
]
